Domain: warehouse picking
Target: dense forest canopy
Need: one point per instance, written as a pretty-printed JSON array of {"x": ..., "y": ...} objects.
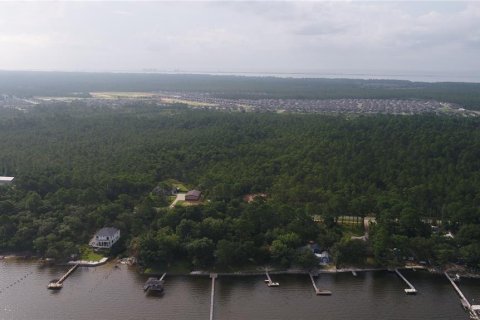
[
  {"x": 69, "y": 83},
  {"x": 78, "y": 169}
]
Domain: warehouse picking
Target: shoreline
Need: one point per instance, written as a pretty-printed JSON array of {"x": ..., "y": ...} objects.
[
  {"x": 460, "y": 270},
  {"x": 280, "y": 272}
]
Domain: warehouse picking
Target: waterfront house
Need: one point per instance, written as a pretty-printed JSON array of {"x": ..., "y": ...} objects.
[
  {"x": 105, "y": 238},
  {"x": 6, "y": 180},
  {"x": 323, "y": 257},
  {"x": 193, "y": 195},
  {"x": 314, "y": 247}
]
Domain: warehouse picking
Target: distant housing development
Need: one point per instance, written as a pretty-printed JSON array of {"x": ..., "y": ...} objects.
[
  {"x": 105, "y": 238},
  {"x": 193, "y": 195},
  {"x": 6, "y": 180}
]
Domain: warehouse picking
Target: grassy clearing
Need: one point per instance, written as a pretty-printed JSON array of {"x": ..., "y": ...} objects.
[
  {"x": 177, "y": 184},
  {"x": 352, "y": 230},
  {"x": 115, "y": 95},
  {"x": 182, "y": 203},
  {"x": 87, "y": 253},
  {"x": 188, "y": 102},
  {"x": 178, "y": 267}
]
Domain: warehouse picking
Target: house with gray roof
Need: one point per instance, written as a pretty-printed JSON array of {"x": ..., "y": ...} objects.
[{"x": 105, "y": 238}]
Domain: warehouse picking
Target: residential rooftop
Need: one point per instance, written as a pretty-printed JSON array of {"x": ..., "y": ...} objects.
[
  {"x": 106, "y": 232},
  {"x": 195, "y": 193}
]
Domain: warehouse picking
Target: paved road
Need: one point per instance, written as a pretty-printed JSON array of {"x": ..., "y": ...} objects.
[{"x": 180, "y": 197}]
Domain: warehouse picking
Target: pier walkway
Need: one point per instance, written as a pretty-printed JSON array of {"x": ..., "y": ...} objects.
[
  {"x": 411, "y": 289},
  {"x": 269, "y": 281},
  {"x": 59, "y": 283},
  {"x": 318, "y": 292},
  {"x": 472, "y": 309},
  {"x": 213, "y": 276}
]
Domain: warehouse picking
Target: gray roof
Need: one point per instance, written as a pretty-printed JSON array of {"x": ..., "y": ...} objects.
[
  {"x": 195, "y": 193},
  {"x": 106, "y": 232}
]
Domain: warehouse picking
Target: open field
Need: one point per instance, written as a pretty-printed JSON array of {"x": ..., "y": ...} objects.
[
  {"x": 191, "y": 103},
  {"x": 177, "y": 184},
  {"x": 122, "y": 95}
]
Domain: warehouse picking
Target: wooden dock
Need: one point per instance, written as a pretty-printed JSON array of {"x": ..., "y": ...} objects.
[
  {"x": 55, "y": 285},
  {"x": 269, "y": 281},
  {"x": 213, "y": 276},
  {"x": 268, "y": 276},
  {"x": 318, "y": 292},
  {"x": 472, "y": 309},
  {"x": 411, "y": 289}
]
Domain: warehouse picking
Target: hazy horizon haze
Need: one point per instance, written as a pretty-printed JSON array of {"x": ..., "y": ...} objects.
[{"x": 439, "y": 39}]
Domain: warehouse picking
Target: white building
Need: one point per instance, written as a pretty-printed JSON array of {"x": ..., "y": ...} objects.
[
  {"x": 105, "y": 238},
  {"x": 6, "y": 180}
]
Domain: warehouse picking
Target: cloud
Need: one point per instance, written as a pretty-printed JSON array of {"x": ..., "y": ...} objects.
[
  {"x": 241, "y": 36},
  {"x": 31, "y": 40}
]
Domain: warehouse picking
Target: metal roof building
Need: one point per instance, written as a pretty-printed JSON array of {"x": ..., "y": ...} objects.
[
  {"x": 6, "y": 180},
  {"x": 193, "y": 195}
]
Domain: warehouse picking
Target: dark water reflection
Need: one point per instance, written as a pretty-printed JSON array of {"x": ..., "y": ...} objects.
[{"x": 109, "y": 293}]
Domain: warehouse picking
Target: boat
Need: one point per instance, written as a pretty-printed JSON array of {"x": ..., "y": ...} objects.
[
  {"x": 153, "y": 285},
  {"x": 273, "y": 284},
  {"x": 324, "y": 293},
  {"x": 457, "y": 278},
  {"x": 54, "y": 285},
  {"x": 411, "y": 291}
]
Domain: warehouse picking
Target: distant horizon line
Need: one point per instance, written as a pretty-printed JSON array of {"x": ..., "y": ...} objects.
[{"x": 423, "y": 76}]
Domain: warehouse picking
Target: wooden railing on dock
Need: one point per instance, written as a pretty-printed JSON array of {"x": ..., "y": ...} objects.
[
  {"x": 411, "y": 289},
  {"x": 69, "y": 272},
  {"x": 464, "y": 301}
]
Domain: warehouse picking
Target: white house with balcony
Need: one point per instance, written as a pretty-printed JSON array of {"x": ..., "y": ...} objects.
[{"x": 105, "y": 238}]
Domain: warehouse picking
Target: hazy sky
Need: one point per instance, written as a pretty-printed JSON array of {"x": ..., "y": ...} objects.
[{"x": 343, "y": 37}]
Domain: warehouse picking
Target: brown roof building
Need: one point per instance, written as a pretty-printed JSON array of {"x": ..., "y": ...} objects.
[{"x": 193, "y": 195}]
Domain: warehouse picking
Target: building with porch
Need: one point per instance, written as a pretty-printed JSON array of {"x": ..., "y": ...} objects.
[{"x": 105, "y": 238}]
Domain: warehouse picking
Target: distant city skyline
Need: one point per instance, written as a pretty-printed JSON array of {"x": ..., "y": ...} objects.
[{"x": 404, "y": 39}]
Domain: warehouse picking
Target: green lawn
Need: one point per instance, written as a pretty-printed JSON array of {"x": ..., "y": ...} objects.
[
  {"x": 178, "y": 267},
  {"x": 352, "y": 230},
  {"x": 87, "y": 253},
  {"x": 177, "y": 184}
]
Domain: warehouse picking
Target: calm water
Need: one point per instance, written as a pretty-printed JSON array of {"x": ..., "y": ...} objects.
[{"x": 108, "y": 293}]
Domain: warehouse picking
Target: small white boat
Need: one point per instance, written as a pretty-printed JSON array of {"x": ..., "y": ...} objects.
[
  {"x": 273, "y": 284},
  {"x": 54, "y": 285}
]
